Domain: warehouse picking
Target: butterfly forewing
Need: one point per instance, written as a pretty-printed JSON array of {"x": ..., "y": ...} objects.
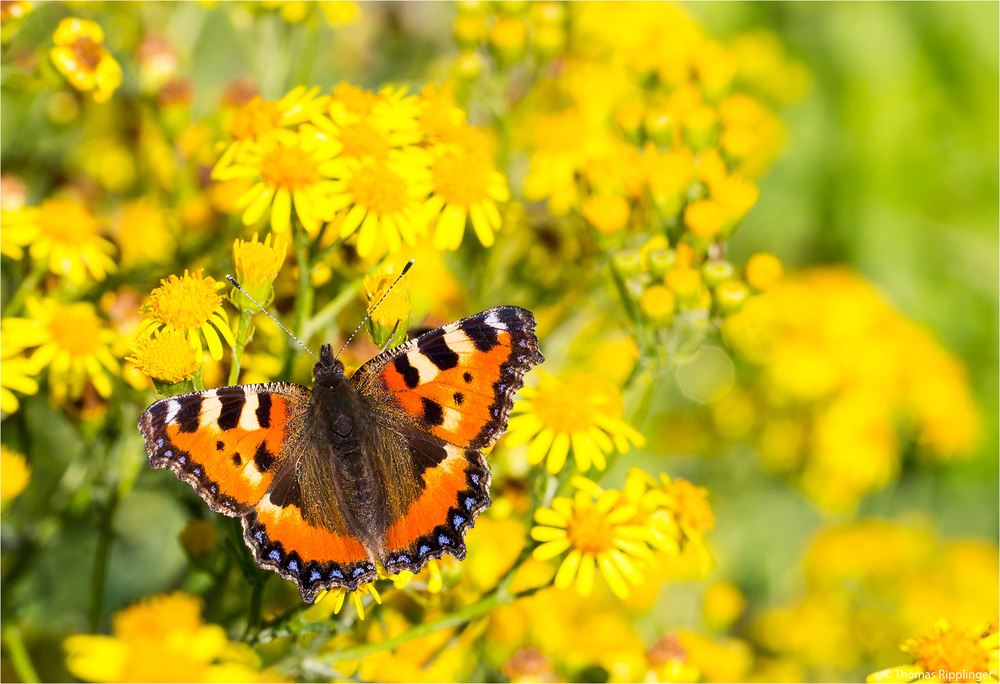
[
  {"x": 457, "y": 382},
  {"x": 227, "y": 443}
]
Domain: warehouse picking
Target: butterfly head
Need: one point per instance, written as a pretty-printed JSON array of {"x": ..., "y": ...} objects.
[{"x": 328, "y": 365}]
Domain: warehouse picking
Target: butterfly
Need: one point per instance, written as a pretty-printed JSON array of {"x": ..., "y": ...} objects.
[{"x": 382, "y": 468}]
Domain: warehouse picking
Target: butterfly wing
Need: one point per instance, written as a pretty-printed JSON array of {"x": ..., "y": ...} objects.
[
  {"x": 227, "y": 443},
  {"x": 441, "y": 398},
  {"x": 456, "y": 382}
]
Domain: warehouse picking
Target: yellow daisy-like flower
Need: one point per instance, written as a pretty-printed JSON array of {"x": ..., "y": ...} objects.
[
  {"x": 142, "y": 234},
  {"x": 167, "y": 356},
  {"x": 368, "y": 123},
  {"x": 16, "y": 375},
  {"x": 64, "y": 234},
  {"x": 598, "y": 533},
  {"x": 583, "y": 413},
  {"x": 192, "y": 305},
  {"x": 620, "y": 532},
  {"x": 951, "y": 654},
  {"x": 435, "y": 580},
  {"x": 257, "y": 265},
  {"x": 384, "y": 197},
  {"x": 163, "y": 638},
  {"x": 259, "y": 118},
  {"x": 286, "y": 167},
  {"x": 81, "y": 57},
  {"x": 332, "y": 602},
  {"x": 466, "y": 185},
  {"x": 14, "y": 473},
  {"x": 71, "y": 340}
]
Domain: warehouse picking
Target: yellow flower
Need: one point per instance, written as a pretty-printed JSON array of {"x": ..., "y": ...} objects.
[
  {"x": 583, "y": 413},
  {"x": 257, "y": 265},
  {"x": 142, "y": 234},
  {"x": 16, "y": 375},
  {"x": 951, "y": 654},
  {"x": 465, "y": 185},
  {"x": 14, "y": 473},
  {"x": 167, "y": 356},
  {"x": 763, "y": 271},
  {"x": 435, "y": 579},
  {"x": 190, "y": 304},
  {"x": 439, "y": 116},
  {"x": 81, "y": 57},
  {"x": 618, "y": 532},
  {"x": 163, "y": 638},
  {"x": 287, "y": 168},
  {"x": 71, "y": 340},
  {"x": 606, "y": 212},
  {"x": 331, "y": 602},
  {"x": 387, "y": 308},
  {"x": 382, "y": 199},
  {"x": 65, "y": 235},
  {"x": 259, "y": 118}
]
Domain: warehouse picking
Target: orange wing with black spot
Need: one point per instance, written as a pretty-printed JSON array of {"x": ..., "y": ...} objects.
[
  {"x": 457, "y": 382},
  {"x": 227, "y": 443}
]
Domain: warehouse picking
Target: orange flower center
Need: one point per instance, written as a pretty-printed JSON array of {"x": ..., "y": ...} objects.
[
  {"x": 254, "y": 119},
  {"x": 355, "y": 100},
  {"x": 87, "y": 52},
  {"x": 292, "y": 168},
  {"x": 363, "y": 140},
  {"x": 954, "y": 655},
  {"x": 66, "y": 222},
  {"x": 590, "y": 532},
  {"x": 76, "y": 329},
  {"x": 379, "y": 190},
  {"x": 462, "y": 178}
]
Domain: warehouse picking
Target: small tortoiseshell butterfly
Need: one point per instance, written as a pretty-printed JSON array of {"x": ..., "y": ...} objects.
[{"x": 384, "y": 467}]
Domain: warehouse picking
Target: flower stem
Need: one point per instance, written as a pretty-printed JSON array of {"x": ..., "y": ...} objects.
[
  {"x": 304, "y": 300},
  {"x": 242, "y": 333},
  {"x": 499, "y": 597},
  {"x": 16, "y": 302},
  {"x": 196, "y": 382},
  {"x": 97, "y": 580},
  {"x": 19, "y": 656}
]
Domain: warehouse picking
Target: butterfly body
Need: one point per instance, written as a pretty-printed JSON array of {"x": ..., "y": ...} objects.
[{"x": 380, "y": 468}]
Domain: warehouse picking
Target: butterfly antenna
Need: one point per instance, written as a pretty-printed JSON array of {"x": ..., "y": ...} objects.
[
  {"x": 235, "y": 284},
  {"x": 368, "y": 315}
]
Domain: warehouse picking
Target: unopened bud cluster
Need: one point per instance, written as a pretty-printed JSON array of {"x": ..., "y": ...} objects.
[{"x": 509, "y": 32}]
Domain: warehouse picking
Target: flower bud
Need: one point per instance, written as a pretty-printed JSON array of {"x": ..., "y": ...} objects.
[
  {"x": 700, "y": 126},
  {"x": 508, "y": 39},
  {"x": 763, "y": 271},
  {"x": 730, "y": 296},
  {"x": 658, "y": 304},
  {"x": 469, "y": 30},
  {"x": 661, "y": 261},
  {"x": 628, "y": 263},
  {"x": 257, "y": 265},
  {"x": 467, "y": 66},
  {"x": 685, "y": 283},
  {"x": 388, "y": 309},
  {"x": 715, "y": 272},
  {"x": 659, "y": 126}
]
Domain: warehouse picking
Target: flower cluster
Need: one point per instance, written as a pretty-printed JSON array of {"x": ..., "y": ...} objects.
[
  {"x": 951, "y": 654},
  {"x": 876, "y": 572},
  {"x": 388, "y": 166},
  {"x": 835, "y": 373}
]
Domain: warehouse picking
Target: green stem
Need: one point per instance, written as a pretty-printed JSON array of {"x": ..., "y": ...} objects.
[
  {"x": 19, "y": 656},
  {"x": 256, "y": 602},
  {"x": 241, "y": 342},
  {"x": 16, "y": 302},
  {"x": 98, "y": 579},
  {"x": 304, "y": 300},
  {"x": 196, "y": 382},
  {"x": 500, "y": 597},
  {"x": 325, "y": 316}
]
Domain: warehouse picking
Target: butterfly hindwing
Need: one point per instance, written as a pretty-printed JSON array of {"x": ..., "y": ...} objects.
[
  {"x": 457, "y": 382},
  {"x": 453, "y": 487},
  {"x": 227, "y": 443},
  {"x": 298, "y": 530}
]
